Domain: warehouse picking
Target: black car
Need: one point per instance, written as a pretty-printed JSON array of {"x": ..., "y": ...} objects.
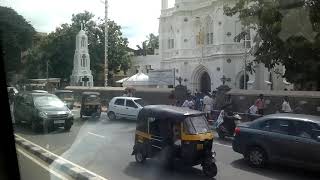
[
  {"x": 42, "y": 111},
  {"x": 291, "y": 139}
]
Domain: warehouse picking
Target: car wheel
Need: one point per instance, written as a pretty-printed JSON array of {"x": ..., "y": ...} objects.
[
  {"x": 17, "y": 119},
  {"x": 112, "y": 116},
  {"x": 67, "y": 126},
  {"x": 35, "y": 126},
  {"x": 256, "y": 157},
  {"x": 210, "y": 170},
  {"x": 139, "y": 156}
]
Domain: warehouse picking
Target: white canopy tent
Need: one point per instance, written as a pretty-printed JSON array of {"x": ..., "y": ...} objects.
[{"x": 138, "y": 80}]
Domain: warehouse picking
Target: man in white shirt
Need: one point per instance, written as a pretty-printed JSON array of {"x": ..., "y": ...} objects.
[
  {"x": 286, "y": 106},
  {"x": 207, "y": 103}
]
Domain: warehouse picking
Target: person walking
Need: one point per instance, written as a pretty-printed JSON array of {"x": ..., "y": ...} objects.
[
  {"x": 207, "y": 103},
  {"x": 286, "y": 108},
  {"x": 260, "y": 104}
]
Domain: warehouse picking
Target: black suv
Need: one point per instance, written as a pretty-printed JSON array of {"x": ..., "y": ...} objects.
[
  {"x": 288, "y": 138},
  {"x": 42, "y": 111}
]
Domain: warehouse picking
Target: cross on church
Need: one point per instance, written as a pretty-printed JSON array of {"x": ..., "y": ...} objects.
[
  {"x": 224, "y": 79},
  {"x": 85, "y": 79}
]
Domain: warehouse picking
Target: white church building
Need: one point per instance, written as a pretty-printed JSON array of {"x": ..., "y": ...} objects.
[{"x": 198, "y": 41}]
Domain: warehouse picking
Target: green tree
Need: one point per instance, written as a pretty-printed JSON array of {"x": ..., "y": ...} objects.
[
  {"x": 58, "y": 49},
  {"x": 149, "y": 45},
  {"x": 287, "y": 34},
  {"x": 16, "y": 35}
]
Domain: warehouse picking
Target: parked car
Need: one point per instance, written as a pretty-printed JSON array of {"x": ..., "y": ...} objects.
[
  {"x": 42, "y": 110},
  {"x": 280, "y": 138},
  {"x": 125, "y": 107}
]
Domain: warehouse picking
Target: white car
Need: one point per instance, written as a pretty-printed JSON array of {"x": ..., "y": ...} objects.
[{"x": 124, "y": 107}]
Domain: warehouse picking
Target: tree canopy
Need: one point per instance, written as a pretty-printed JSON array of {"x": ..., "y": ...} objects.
[
  {"x": 16, "y": 35},
  {"x": 287, "y": 34},
  {"x": 148, "y": 46},
  {"x": 58, "y": 49}
]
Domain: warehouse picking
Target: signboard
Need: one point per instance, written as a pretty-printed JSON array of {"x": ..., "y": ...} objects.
[{"x": 162, "y": 77}]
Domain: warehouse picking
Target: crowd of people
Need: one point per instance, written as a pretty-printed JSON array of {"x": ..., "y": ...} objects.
[{"x": 206, "y": 102}]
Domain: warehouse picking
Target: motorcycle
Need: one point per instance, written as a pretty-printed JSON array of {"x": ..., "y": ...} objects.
[{"x": 226, "y": 124}]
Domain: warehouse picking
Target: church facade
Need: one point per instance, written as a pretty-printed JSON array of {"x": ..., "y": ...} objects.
[
  {"x": 81, "y": 73},
  {"x": 198, "y": 41}
]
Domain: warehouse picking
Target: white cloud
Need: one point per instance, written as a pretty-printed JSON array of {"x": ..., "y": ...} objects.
[{"x": 137, "y": 17}]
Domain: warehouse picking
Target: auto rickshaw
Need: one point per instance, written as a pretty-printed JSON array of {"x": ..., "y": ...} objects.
[
  {"x": 90, "y": 104},
  {"x": 66, "y": 96},
  {"x": 180, "y": 135}
]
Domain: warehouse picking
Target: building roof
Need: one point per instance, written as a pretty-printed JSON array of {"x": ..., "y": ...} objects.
[{"x": 137, "y": 80}]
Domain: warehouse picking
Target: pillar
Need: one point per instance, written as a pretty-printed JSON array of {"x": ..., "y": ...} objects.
[{"x": 164, "y": 4}]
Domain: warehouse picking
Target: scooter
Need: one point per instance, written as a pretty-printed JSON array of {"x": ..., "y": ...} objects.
[{"x": 226, "y": 124}]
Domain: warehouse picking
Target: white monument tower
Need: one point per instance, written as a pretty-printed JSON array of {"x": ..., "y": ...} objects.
[{"x": 81, "y": 73}]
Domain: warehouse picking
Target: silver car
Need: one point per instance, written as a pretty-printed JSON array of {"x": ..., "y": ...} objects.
[{"x": 124, "y": 107}]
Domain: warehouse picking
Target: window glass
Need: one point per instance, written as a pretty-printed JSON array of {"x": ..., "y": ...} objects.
[
  {"x": 142, "y": 124},
  {"x": 154, "y": 126},
  {"x": 130, "y": 103},
  {"x": 279, "y": 126},
  {"x": 304, "y": 129},
  {"x": 28, "y": 99},
  {"x": 119, "y": 102}
]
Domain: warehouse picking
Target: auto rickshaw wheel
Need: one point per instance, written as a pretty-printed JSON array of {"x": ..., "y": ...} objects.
[
  {"x": 112, "y": 116},
  {"x": 210, "y": 170},
  {"x": 139, "y": 156}
]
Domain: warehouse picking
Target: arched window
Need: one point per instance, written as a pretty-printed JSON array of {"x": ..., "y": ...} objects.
[
  {"x": 83, "y": 60},
  {"x": 83, "y": 41}
]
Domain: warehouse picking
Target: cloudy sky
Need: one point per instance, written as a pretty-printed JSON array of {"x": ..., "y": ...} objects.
[{"x": 138, "y": 18}]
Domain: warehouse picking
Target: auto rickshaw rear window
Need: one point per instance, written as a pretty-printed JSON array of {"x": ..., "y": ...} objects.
[{"x": 196, "y": 125}]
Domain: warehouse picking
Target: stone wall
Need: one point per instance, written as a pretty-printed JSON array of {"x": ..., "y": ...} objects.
[
  {"x": 149, "y": 95},
  {"x": 307, "y": 101}
]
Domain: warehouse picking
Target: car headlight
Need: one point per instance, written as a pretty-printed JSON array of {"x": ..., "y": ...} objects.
[
  {"x": 43, "y": 114},
  {"x": 70, "y": 114}
]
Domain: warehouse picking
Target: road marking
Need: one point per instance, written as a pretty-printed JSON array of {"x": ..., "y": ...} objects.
[
  {"x": 42, "y": 165},
  {"x": 59, "y": 157},
  {"x": 96, "y": 135},
  {"x": 222, "y": 145}
]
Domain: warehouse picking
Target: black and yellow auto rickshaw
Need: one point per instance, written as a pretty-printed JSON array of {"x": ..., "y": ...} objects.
[
  {"x": 66, "y": 96},
  {"x": 180, "y": 135},
  {"x": 90, "y": 104}
]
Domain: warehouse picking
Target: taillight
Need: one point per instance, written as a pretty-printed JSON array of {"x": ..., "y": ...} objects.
[{"x": 237, "y": 131}]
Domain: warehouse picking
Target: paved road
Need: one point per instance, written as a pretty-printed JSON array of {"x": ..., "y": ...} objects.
[{"x": 105, "y": 148}]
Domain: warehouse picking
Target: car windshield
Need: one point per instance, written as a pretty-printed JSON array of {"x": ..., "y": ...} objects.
[
  {"x": 48, "y": 101},
  {"x": 196, "y": 125},
  {"x": 140, "y": 102},
  {"x": 93, "y": 98}
]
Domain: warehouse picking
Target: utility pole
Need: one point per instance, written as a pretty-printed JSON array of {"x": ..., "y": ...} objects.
[
  {"x": 245, "y": 61},
  {"x": 106, "y": 45}
]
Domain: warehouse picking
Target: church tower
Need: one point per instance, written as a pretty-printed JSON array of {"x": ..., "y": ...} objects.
[{"x": 81, "y": 73}]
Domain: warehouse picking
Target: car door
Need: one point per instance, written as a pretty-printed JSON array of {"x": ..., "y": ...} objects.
[
  {"x": 119, "y": 108},
  {"x": 278, "y": 139},
  {"x": 131, "y": 109},
  {"x": 306, "y": 145},
  {"x": 29, "y": 108},
  {"x": 18, "y": 107}
]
